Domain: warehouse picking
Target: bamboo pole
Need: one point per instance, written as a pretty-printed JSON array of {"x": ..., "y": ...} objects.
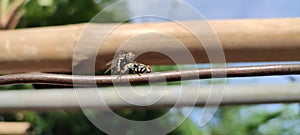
[
  {"x": 14, "y": 128},
  {"x": 67, "y": 99},
  {"x": 50, "y": 49}
]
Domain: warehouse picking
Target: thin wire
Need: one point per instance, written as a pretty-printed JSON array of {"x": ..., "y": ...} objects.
[{"x": 169, "y": 76}]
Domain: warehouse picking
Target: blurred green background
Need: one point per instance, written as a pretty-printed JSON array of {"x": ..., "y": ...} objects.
[{"x": 230, "y": 120}]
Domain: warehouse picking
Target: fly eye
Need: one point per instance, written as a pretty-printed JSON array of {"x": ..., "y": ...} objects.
[{"x": 149, "y": 69}]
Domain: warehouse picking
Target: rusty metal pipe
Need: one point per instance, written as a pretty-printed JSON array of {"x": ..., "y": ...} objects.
[{"x": 107, "y": 80}]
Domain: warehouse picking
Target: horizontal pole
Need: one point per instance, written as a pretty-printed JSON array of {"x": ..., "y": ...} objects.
[
  {"x": 155, "y": 77},
  {"x": 69, "y": 99},
  {"x": 51, "y": 49}
]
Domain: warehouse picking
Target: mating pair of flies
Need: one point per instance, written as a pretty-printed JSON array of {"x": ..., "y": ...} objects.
[{"x": 125, "y": 64}]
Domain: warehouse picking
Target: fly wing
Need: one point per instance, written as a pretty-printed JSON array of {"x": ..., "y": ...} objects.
[
  {"x": 107, "y": 70},
  {"x": 109, "y": 65}
]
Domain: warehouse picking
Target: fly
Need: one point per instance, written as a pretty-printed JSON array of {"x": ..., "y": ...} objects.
[{"x": 125, "y": 64}]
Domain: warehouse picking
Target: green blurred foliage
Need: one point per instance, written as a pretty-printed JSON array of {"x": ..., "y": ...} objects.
[
  {"x": 54, "y": 123},
  {"x": 160, "y": 68},
  {"x": 59, "y": 12},
  {"x": 256, "y": 120},
  {"x": 188, "y": 127},
  {"x": 141, "y": 114},
  {"x": 17, "y": 87},
  {"x": 233, "y": 120}
]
